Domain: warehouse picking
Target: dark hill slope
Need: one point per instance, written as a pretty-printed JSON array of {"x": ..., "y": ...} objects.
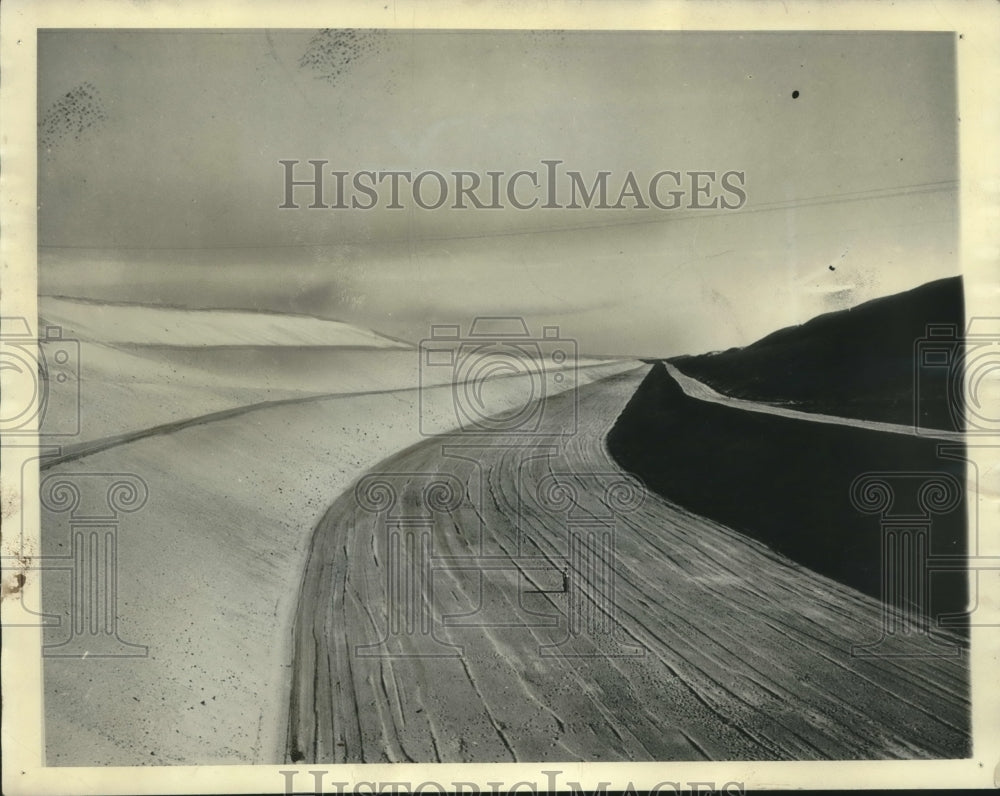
[
  {"x": 854, "y": 363},
  {"x": 787, "y": 481}
]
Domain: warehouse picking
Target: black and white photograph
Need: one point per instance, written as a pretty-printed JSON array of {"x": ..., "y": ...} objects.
[{"x": 384, "y": 398}]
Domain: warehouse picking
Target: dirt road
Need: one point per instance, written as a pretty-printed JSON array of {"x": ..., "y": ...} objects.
[{"x": 515, "y": 597}]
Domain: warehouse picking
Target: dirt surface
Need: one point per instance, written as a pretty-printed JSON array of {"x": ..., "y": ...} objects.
[
  {"x": 208, "y": 569},
  {"x": 458, "y": 606}
]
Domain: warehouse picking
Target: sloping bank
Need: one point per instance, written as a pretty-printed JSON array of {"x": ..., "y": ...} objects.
[{"x": 785, "y": 482}]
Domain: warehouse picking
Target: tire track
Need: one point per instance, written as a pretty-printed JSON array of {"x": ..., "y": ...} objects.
[{"x": 747, "y": 654}]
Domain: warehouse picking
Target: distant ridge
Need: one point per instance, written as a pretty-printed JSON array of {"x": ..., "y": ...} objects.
[
  {"x": 140, "y": 324},
  {"x": 162, "y": 305},
  {"x": 858, "y": 362}
]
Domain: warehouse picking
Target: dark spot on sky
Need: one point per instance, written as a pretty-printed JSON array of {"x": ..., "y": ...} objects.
[
  {"x": 71, "y": 115},
  {"x": 831, "y": 268},
  {"x": 331, "y": 52},
  {"x": 795, "y": 94}
]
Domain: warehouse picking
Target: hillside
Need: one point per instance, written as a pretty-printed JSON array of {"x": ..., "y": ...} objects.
[
  {"x": 785, "y": 478},
  {"x": 137, "y": 324},
  {"x": 856, "y": 363},
  {"x": 784, "y": 482}
]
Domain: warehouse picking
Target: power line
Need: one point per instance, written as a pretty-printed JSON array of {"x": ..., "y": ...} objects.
[{"x": 815, "y": 201}]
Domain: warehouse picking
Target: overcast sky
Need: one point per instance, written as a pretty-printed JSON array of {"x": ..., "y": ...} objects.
[{"x": 159, "y": 156}]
